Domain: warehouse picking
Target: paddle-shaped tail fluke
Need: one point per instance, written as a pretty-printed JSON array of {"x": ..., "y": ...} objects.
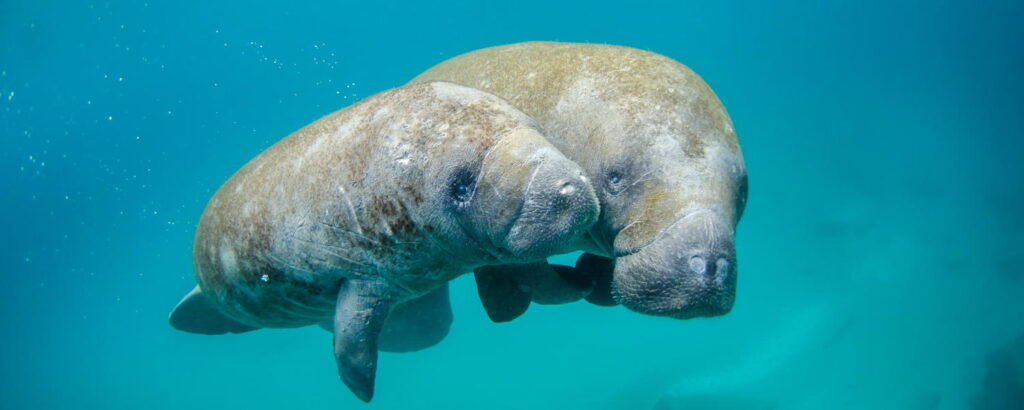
[{"x": 196, "y": 314}]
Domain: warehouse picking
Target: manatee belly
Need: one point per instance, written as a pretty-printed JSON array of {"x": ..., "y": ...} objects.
[
  {"x": 255, "y": 263},
  {"x": 246, "y": 285}
]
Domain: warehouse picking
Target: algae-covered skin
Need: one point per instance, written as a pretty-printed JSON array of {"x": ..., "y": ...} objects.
[
  {"x": 661, "y": 152},
  {"x": 376, "y": 207}
]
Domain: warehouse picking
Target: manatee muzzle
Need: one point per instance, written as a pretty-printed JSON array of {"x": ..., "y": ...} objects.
[
  {"x": 559, "y": 204},
  {"x": 688, "y": 271}
]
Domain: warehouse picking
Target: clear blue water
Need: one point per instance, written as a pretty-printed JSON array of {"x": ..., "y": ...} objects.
[{"x": 879, "y": 254}]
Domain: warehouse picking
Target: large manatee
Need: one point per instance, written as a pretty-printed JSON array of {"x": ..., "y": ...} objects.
[
  {"x": 363, "y": 216},
  {"x": 664, "y": 159}
]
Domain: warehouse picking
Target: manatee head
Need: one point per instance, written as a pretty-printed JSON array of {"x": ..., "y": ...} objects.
[
  {"x": 497, "y": 187},
  {"x": 671, "y": 222},
  {"x": 525, "y": 200}
]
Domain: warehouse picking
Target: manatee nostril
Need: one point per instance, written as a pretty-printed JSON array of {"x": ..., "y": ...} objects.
[
  {"x": 568, "y": 188},
  {"x": 697, "y": 264},
  {"x": 723, "y": 267}
]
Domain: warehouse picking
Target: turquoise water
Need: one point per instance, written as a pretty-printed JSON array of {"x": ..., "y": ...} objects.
[{"x": 879, "y": 254}]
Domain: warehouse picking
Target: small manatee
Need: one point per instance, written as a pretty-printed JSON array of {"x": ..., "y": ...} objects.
[{"x": 362, "y": 217}]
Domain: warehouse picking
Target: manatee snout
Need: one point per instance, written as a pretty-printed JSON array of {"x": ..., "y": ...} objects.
[
  {"x": 688, "y": 271},
  {"x": 558, "y": 204},
  {"x": 533, "y": 200}
]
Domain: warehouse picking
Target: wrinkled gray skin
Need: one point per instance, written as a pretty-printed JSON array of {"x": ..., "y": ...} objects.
[
  {"x": 361, "y": 218},
  {"x": 661, "y": 152}
]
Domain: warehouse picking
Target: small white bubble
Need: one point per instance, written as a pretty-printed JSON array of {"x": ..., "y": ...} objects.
[{"x": 265, "y": 278}]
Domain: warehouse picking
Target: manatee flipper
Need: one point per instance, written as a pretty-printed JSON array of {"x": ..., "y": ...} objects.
[
  {"x": 599, "y": 269},
  {"x": 418, "y": 323},
  {"x": 359, "y": 315},
  {"x": 555, "y": 284},
  {"x": 507, "y": 290},
  {"x": 503, "y": 296},
  {"x": 413, "y": 325},
  {"x": 195, "y": 314}
]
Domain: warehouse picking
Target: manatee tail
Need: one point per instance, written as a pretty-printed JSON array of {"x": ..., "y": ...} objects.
[{"x": 195, "y": 314}]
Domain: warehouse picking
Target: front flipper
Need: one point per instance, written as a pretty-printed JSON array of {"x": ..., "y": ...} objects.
[
  {"x": 599, "y": 269},
  {"x": 506, "y": 290},
  {"x": 360, "y": 312},
  {"x": 556, "y": 284},
  {"x": 418, "y": 323},
  {"x": 196, "y": 314},
  {"x": 500, "y": 290}
]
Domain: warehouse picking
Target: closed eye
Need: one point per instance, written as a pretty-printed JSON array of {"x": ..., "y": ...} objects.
[
  {"x": 462, "y": 187},
  {"x": 615, "y": 182}
]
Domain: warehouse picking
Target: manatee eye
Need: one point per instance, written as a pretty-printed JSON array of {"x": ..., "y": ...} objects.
[
  {"x": 461, "y": 187},
  {"x": 615, "y": 182}
]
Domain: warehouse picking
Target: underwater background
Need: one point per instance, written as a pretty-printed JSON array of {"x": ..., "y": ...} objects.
[{"x": 879, "y": 255}]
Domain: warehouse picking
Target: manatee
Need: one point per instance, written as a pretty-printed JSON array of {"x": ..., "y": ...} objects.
[
  {"x": 362, "y": 217},
  {"x": 661, "y": 153}
]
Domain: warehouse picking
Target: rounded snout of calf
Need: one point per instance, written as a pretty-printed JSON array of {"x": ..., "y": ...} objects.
[
  {"x": 557, "y": 204},
  {"x": 688, "y": 271}
]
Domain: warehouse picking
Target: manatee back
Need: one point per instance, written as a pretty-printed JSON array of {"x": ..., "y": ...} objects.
[
  {"x": 352, "y": 194},
  {"x": 563, "y": 85}
]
